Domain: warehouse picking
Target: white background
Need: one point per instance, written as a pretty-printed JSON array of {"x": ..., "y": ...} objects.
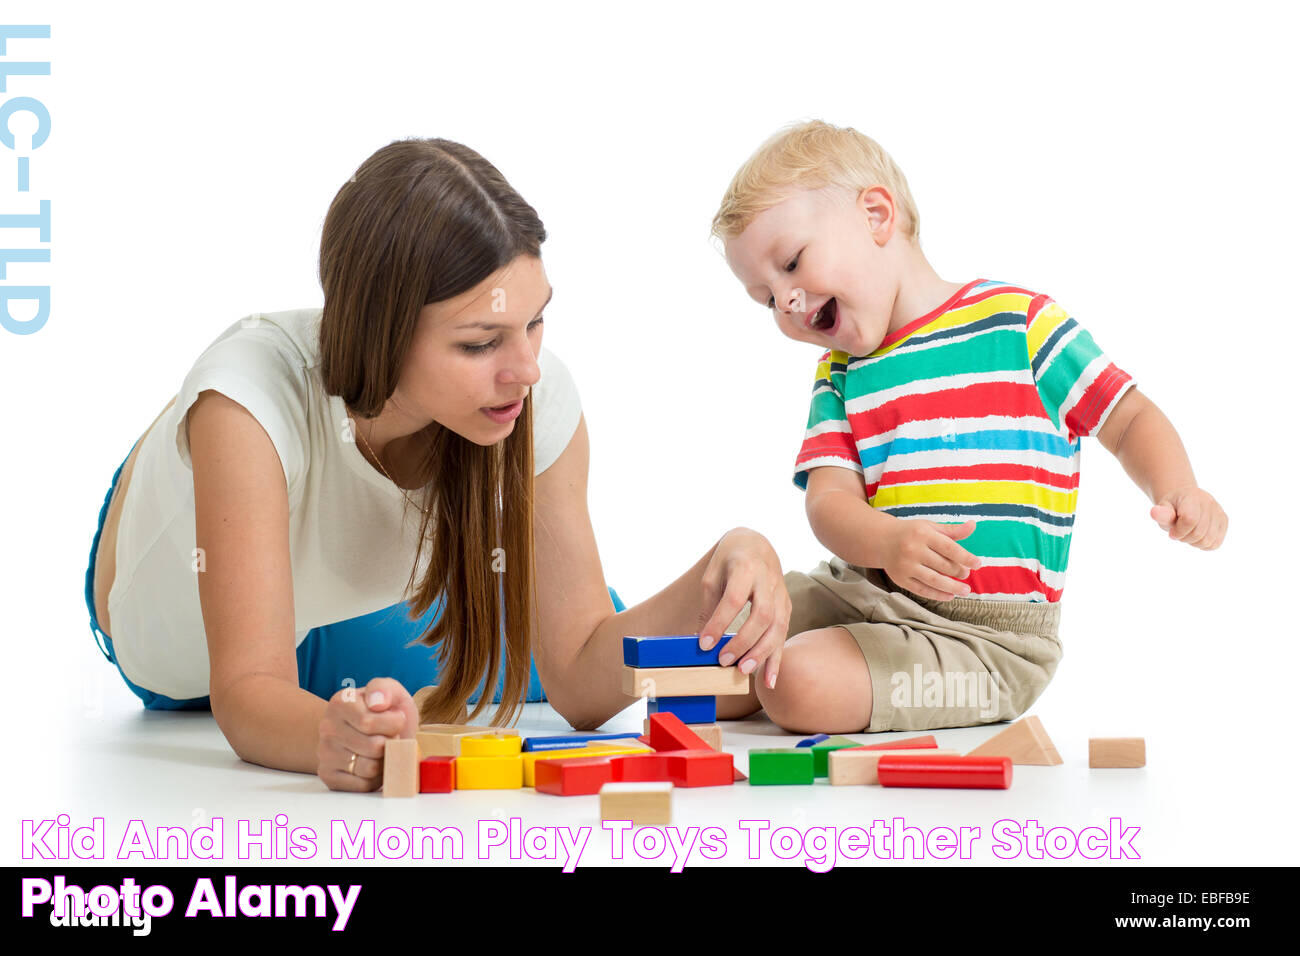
[{"x": 1138, "y": 164}]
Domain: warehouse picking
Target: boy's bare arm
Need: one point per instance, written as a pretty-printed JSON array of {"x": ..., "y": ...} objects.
[
  {"x": 921, "y": 556},
  {"x": 1149, "y": 449}
]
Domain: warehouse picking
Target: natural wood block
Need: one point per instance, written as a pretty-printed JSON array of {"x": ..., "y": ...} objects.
[
  {"x": 683, "y": 681},
  {"x": 642, "y": 803},
  {"x": 1117, "y": 752},
  {"x": 401, "y": 767},
  {"x": 443, "y": 740},
  {"x": 858, "y": 766},
  {"x": 1025, "y": 742},
  {"x": 489, "y": 773},
  {"x": 711, "y": 734}
]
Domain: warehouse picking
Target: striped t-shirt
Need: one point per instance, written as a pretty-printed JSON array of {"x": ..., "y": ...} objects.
[{"x": 974, "y": 411}]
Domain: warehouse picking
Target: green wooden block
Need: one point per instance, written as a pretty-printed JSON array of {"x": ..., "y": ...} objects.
[
  {"x": 821, "y": 753},
  {"x": 778, "y": 766}
]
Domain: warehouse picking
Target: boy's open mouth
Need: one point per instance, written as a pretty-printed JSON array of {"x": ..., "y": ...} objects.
[{"x": 824, "y": 319}]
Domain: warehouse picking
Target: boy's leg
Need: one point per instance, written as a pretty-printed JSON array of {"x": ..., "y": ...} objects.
[{"x": 824, "y": 685}]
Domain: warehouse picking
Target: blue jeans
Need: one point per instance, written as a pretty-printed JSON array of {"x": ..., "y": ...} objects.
[{"x": 373, "y": 645}]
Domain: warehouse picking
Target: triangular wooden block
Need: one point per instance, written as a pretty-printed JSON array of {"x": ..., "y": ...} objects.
[{"x": 1025, "y": 742}]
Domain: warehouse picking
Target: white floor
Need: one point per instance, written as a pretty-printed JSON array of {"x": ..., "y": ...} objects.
[{"x": 1203, "y": 800}]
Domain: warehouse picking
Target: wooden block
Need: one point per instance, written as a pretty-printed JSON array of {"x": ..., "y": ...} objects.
[
  {"x": 821, "y": 749},
  {"x": 640, "y": 767},
  {"x": 689, "y": 710},
  {"x": 855, "y": 766},
  {"x": 934, "y": 770},
  {"x": 1025, "y": 742},
  {"x": 437, "y": 774},
  {"x": 642, "y": 803},
  {"x": 533, "y": 757},
  {"x": 401, "y": 767},
  {"x": 675, "y": 650},
  {"x": 1117, "y": 752},
  {"x": 623, "y": 744},
  {"x": 780, "y": 766},
  {"x": 569, "y": 740},
  {"x": 911, "y": 743},
  {"x": 683, "y": 681},
  {"x": 443, "y": 740},
  {"x": 667, "y": 732},
  {"x": 699, "y": 768},
  {"x": 498, "y": 743},
  {"x": 711, "y": 734},
  {"x": 489, "y": 773},
  {"x": 573, "y": 777}
]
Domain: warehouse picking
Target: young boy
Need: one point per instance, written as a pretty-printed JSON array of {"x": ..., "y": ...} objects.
[{"x": 942, "y": 412}]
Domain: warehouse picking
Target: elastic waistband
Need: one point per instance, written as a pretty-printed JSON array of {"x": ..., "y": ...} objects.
[{"x": 1024, "y": 617}]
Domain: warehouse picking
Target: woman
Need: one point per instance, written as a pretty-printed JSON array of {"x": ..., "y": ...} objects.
[{"x": 252, "y": 547}]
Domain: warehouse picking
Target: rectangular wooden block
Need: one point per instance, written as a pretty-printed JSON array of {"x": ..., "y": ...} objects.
[
  {"x": 674, "y": 650},
  {"x": 437, "y": 774},
  {"x": 634, "y": 767},
  {"x": 401, "y": 767},
  {"x": 642, "y": 803},
  {"x": 489, "y": 773},
  {"x": 690, "y": 710},
  {"x": 699, "y": 768},
  {"x": 910, "y": 743},
  {"x": 857, "y": 766},
  {"x": 780, "y": 766},
  {"x": 575, "y": 777},
  {"x": 622, "y": 745},
  {"x": 534, "y": 757},
  {"x": 443, "y": 740},
  {"x": 1117, "y": 752},
  {"x": 683, "y": 681},
  {"x": 568, "y": 740}
]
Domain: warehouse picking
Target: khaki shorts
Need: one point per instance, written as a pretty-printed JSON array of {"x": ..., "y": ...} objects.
[{"x": 933, "y": 663}]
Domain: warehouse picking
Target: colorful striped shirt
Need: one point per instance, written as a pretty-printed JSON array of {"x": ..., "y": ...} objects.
[{"x": 974, "y": 411}]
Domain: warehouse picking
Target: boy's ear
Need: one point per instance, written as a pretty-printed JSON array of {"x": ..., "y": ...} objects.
[{"x": 877, "y": 206}]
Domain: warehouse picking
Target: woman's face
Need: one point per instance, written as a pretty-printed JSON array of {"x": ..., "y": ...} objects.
[{"x": 473, "y": 358}]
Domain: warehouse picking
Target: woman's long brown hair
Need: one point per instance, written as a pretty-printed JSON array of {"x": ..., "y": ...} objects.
[{"x": 422, "y": 221}]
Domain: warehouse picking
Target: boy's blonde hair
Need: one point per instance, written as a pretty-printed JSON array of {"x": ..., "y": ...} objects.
[{"x": 812, "y": 155}]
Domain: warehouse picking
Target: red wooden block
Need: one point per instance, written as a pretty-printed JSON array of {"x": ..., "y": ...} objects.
[
  {"x": 700, "y": 768},
  {"x": 572, "y": 777},
  {"x": 437, "y": 774},
  {"x": 639, "y": 768},
  {"x": 911, "y": 743},
  {"x": 737, "y": 775},
  {"x": 668, "y": 732},
  {"x": 928, "y": 770},
  {"x": 645, "y": 739}
]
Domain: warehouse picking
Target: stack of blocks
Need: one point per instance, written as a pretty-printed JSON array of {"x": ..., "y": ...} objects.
[{"x": 678, "y": 678}]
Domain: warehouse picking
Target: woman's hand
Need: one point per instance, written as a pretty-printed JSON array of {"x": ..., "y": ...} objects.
[
  {"x": 925, "y": 558},
  {"x": 745, "y": 568},
  {"x": 350, "y": 754}
]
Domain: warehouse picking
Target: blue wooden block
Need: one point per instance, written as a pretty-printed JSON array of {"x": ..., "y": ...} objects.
[
  {"x": 813, "y": 740},
  {"x": 571, "y": 740},
  {"x": 678, "y": 650},
  {"x": 689, "y": 710}
]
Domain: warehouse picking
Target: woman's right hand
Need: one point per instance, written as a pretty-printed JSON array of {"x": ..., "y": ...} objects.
[
  {"x": 925, "y": 558},
  {"x": 357, "y": 721}
]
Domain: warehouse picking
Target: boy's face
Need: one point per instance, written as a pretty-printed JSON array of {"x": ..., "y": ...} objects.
[{"x": 822, "y": 261}]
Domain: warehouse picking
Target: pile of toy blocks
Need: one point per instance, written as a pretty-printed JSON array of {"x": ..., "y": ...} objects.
[{"x": 679, "y": 678}]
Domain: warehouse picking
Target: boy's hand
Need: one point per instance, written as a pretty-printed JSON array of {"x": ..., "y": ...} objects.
[
  {"x": 924, "y": 557},
  {"x": 1192, "y": 515}
]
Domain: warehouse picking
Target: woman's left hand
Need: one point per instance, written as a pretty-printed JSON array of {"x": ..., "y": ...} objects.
[{"x": 744, "y": 568}]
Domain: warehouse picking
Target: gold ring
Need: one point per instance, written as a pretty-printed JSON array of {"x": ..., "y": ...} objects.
[{"x": 352, "y": 764}]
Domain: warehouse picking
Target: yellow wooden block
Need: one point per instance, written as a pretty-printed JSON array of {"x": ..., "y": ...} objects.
[
  {"x": 683, "y": 681},
  {"x": 642, "y": 803},
  {"x": 531, "y": 757},
  {"x": 489, "y": 773},
  {"x": 501, "y": 743},
  {"x": 443, "y": 740},
  {"x": 621, "y": 744}
]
